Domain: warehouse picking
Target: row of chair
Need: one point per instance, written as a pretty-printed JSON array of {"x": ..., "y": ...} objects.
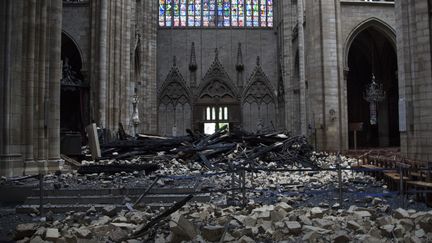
[{"x": 416, "y": 175}]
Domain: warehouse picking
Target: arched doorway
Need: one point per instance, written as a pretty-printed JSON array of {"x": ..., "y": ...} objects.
[
  {"x": 74, "y": 96},
  {"x": 372, "y": 54},
  {"x": 216, "y": 106}
]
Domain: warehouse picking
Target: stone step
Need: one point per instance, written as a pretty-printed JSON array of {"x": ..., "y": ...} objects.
[{"x": 111, "y": 199}]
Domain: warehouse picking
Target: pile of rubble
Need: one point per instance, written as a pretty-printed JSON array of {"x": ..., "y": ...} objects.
[
  {"x": 281, "y": 203},
  {"x": 221, "y": 150},
  {"x": 199, "y": 222}
]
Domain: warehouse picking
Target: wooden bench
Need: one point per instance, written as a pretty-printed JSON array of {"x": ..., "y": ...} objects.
[
  {"x": 393, "y": 180},
  {"x": 421, "y": 179}
]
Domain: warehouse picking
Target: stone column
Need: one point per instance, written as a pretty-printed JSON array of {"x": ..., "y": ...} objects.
[
  {"x": 148, "y": 107},
  {"x": 102, "y": 69},
  {"x": 55, "y": 75},
  {"x": 30, "y": 79},
  {"x": 40, "y": 86},
  {"x": 302, "y": 74},
  {"x": 10, "y": 45}
]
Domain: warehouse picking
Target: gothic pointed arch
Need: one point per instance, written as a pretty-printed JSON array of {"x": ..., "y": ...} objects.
[
  {"x": 174, "y": 99},
  {"x": 259, "y": 102},
  {"x": 216, "y": 83},
  {"x": 217, "y": 100}
]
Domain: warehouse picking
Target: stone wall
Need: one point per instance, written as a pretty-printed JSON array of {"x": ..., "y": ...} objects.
[
  {"x": 76, "y": 25},
  {"x": 254, "y": 42},
  {"x": 329, "y": 27},
  {"x": 415, "y": 75}
]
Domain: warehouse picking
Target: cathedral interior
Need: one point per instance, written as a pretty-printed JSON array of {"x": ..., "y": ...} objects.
[{"x": 215, "y": 120}]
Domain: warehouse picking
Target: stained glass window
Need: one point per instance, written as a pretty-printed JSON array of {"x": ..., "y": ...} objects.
[
  {"x": 240, "y": 10},
  {"x": 216, "y": 13},
  {"x": 183, "y": 13},
  {"x": 249, "y": 13},
  {"x": 168, "y": 13},
  {"x": 255, "y": 9},
  {"x": 161, "y": 12},
  {"x": 176, "y": 10},
  {"x": 269, "y": 13}
]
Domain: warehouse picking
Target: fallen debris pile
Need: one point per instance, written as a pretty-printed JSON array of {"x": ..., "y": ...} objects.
[
  {"x": 219, "y": 150},
  {"x": 200, "y": 222}
]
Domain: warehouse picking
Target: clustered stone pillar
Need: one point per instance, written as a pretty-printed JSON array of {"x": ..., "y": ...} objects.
[
  {"x": 30, "y": 122},
  {"x": 147, "y": 23},
  {"x": 111, "y": 58}
]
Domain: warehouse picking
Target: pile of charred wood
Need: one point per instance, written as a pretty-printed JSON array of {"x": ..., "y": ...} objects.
[{"x": 220, "y": 150}]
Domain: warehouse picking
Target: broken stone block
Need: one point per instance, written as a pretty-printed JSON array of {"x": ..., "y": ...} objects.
[
  {"x": 40, "y": 231},
  {"x": 100, "y": 231},
  {"x": 425, "y": 223},
  {"x": 52, "y": 234},
  {"x": 316, "y": 212},
  {"x": 323, "y": 223},
  {"x": 408, "y": 224},
  {"x": 109, "y": 210},
  {"x": 246, "y": 239},
  {"x": 241, "y": 232},
  {"x": 117, "y": 234},
  {"x": 310, "y": 237},
  {"x": 277, "y": 215},
  {"x": 25, "y": 230},
  {"x": 120, "y": 219},
  {"x": 419, "y": 233},
  {"x": 308, "y": 228},
  {"x": 278, "y": 236},
  {"x": 353, "y": 225},
  {"x": 181, "y": 226},
  {"x": 279, "y": 225},
  {"x": 101, "y": 221},
  {"x": 352, "y": 208},
  {"x": 137, "y": 217},
  {"x": 375, "y": 232},
  {"x": 212, "y": 233},
  {"x": 386, "y": 230},
  {"x": 362, "y": 214},
  {"x": 285, "y": 206},
  {"x": 91, "y": 211},
  {"x": 341, "y": 237},
  {"x": 263, "y": 212},
  {"x": 25, "y": 240},
  {"x": 37, "y": 239},
  {"x": 305, "y": 220},
  {"x": 384, "y": 220},
  {"x": 264, "y": 226},
  {"x": 401, "y": 213},
  {"x": 294, "y": 227},
  {"x": 399, "y": 231},
  {"x": 249, "y": 221},
  {"x": 83, "y": 232},
  {"x": 411, "y": 239},
  {"x": 228, "y": 238}
]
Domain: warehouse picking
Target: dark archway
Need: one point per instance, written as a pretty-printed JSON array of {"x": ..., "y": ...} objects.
[
  {"x": 372, "y": 53},
  {"x": 74, "y": 96}
]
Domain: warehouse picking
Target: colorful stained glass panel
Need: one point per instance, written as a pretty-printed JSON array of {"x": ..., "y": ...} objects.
[{"x": 220, "y": 13}]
